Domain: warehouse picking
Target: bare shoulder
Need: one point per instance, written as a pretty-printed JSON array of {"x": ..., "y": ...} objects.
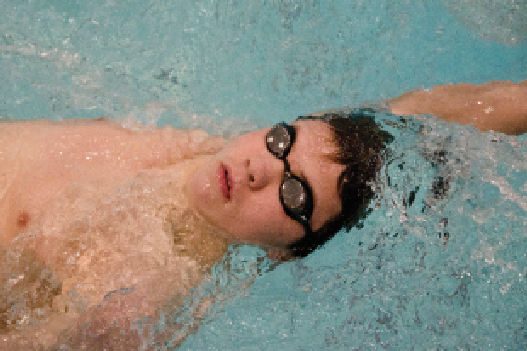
[
  {"x": 107, "y": 140},
  {"x": 99, "y": 206},
  {"x": 10, "y": 169},
  {"x": 203, "y": 143},
  {"x": 40, "y": 158}
]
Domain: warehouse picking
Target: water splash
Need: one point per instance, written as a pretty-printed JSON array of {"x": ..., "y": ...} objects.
[{"x": 440, "y": 262}]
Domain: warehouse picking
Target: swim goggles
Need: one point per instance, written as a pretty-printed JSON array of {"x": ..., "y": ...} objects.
[{"x": 295, "y": 195}]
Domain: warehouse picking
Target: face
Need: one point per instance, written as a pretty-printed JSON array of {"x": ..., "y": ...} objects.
[{"x": 238, "y": 190}]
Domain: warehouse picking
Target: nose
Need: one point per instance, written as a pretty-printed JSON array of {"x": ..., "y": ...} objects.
[{"x": 262, "y": 172}]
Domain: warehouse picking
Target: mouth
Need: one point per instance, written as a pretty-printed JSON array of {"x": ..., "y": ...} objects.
[{"x": 224, "y": 175}]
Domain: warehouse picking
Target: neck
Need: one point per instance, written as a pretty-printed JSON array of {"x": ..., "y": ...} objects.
[
  {"x": 195, "y": 238},
  {"x": 192, "y": 234}
]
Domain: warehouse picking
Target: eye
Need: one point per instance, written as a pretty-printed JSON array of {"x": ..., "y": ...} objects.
[
  {"x": 294, "y": 195},
  {"x": 279, "y": 139}
]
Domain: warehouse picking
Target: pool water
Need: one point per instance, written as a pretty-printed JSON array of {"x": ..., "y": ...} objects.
[{"x": 440, "y": 262}]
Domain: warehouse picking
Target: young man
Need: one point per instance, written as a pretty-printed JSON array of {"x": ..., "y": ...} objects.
[{"x": 89, "y": 207}]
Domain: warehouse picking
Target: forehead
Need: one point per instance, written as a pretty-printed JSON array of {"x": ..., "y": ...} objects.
[
  {"x": 311, "y": 156},
  {"x": 318, "y": 134}
]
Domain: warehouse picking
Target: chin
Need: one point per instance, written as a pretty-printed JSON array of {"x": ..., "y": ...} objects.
[
  {"x": 204, "y": 194},
  {"x": 199, "y": 189}
]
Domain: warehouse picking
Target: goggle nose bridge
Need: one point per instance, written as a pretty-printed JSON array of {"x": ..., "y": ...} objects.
[{"x": 279, "y": 141}]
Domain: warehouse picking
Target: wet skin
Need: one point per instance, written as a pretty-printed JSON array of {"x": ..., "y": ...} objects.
[
  {"x": 250, "y": 210},
  {"x": 57, "y": 175},
  {"x": 48, "y": 168},
  {"x": 65, "y": 191}
]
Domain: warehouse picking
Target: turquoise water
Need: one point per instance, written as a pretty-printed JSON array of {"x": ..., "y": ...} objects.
[{"x": 441, "y": 272}]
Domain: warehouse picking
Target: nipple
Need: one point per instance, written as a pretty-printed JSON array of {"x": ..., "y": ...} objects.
[{"x": 23, "y": 219}]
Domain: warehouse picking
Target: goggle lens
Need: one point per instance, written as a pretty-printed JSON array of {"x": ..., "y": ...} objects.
[
  {"x": 294, "y": 195},
  {"x": 278, "y": 141}
]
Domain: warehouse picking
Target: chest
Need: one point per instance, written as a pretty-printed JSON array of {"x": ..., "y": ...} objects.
[{"x": 35, "y": 193}]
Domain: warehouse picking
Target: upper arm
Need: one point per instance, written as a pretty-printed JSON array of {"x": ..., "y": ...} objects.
[{"x": 499, "y": 106}]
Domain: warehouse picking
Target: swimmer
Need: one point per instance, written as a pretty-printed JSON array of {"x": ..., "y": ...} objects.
[{"x": 89, "y": 207}]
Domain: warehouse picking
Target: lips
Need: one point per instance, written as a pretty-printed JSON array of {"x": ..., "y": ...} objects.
[{"x": 224, "y": 175}]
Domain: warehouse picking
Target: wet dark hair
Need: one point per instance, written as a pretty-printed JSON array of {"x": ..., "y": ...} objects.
[{"x": 360, "y": 145}]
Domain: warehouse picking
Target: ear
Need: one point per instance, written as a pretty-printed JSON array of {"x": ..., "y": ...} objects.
[{"x": 280, "y": 255}]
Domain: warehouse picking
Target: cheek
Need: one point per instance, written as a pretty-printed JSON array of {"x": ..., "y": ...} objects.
[
  {"x": 264, "y": 222},
  {"x": 263, "y": 206}
]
